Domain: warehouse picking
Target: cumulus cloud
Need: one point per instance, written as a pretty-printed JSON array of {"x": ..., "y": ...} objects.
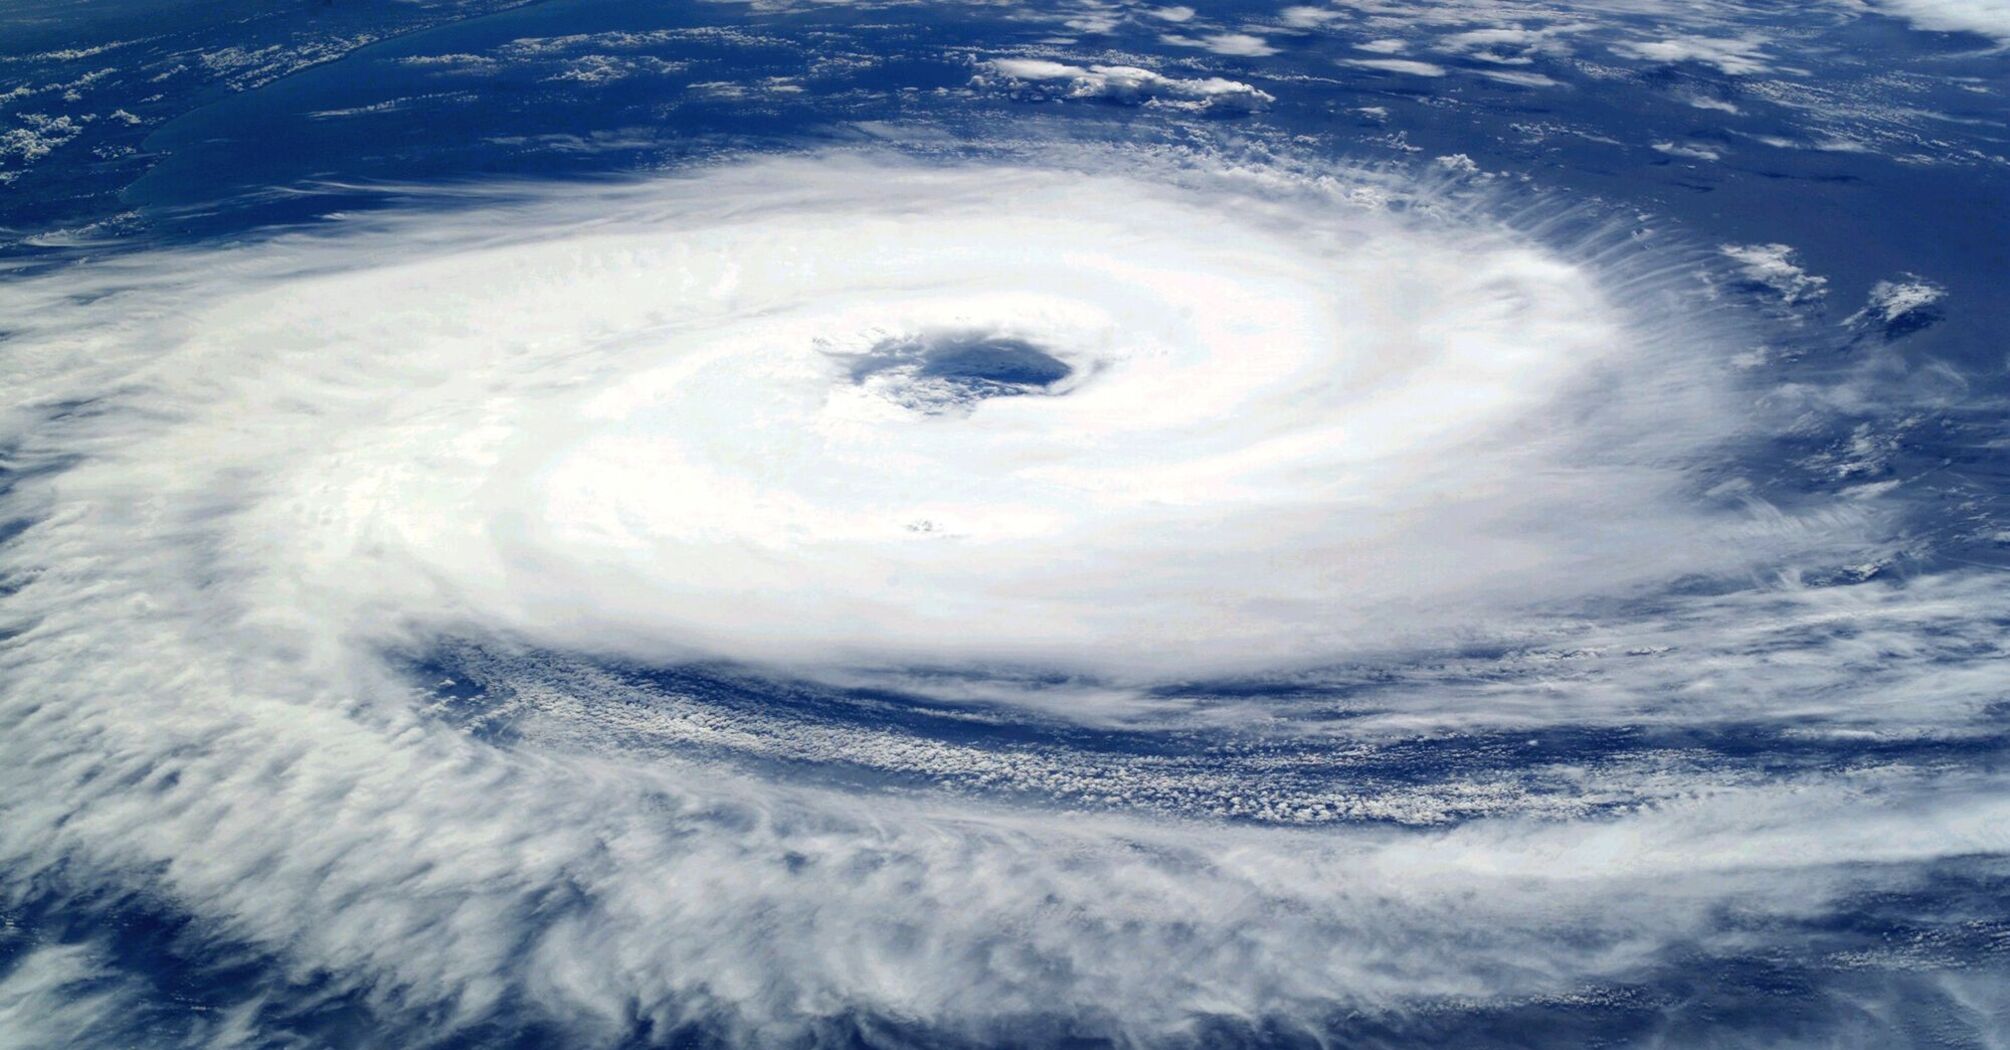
[
  {"x": 1125, "y": 84},
  {"x": 1903, "y": 305},
  {"x": 1244, "y": 45},
  {"x": 1891, "y": 300},
  {"x": 1511, "y": 45},
  {"x": 40, "y": 135},
  {"x": 1303, "y": 17},
  {"x": 1773, "y": 266},
  {"x": 1733, "y": 56}
]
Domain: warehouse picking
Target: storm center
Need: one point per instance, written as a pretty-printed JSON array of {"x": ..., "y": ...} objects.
[{"x": 941, "y": 372}]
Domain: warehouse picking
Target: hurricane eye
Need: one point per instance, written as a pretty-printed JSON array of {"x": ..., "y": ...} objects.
[
  {"x": 994, "y": 362},
  {"x": 942, "y": 372}
]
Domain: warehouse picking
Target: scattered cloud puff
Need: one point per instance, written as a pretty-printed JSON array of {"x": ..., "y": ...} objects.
[
  {"x": 1903, "y": 305},
  {"x": 588, "y": 58},
  {"x": 42, "y": 135},
  {"x": 1244, "y": 45},
  {"x": 1691, "y": 151},
  {"x": 1309, "y": 17},
  {"x": 1891, "y": 300},
  {"x": 1495, "y": 44},
  {"x": 1130, "y": 85},
  {"x": 1718, "y": 105},
  {"x": 71, "y": 54},
  {"x": 1458, "y": 164},
  {"x": 1511, "y": 45},
  {"x": 765, "y": 88},
  {"x": 1519, "y": 77},
  {"x": 1408, "y": 66},
  {"x": 605, "y": 69},
  {"x": 575, "y": 42},
  {"x": 455, "y": 60},
  {"x": 1733, "y": 56},
  {"x": 1773, "y": 266}
]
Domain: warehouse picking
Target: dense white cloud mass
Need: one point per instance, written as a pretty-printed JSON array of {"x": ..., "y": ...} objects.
[
  {"x": 1289, "y": 427},
  {"x": 850, "y": 417},
  {"x": 1987, "y": 17}
]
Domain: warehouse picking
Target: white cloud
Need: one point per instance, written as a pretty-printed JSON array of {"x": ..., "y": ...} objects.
[
  {"x": 1129, "y": 84},
  {"x": 41, "y": 135},
  {"x": 1513, "y": 76},
  {"x": 1309, "y": 17},
  {"x": 1989, "y": 18},
  {"x": 1512, "y": 45},
  {"x": 654, "y": 557},
  {"x": 1734, "y": 56},
  {"x": 1246, "y": 45},
  {"x": 1715, "y": 104},
  {"x": 593, "y": 422},
  {"x": 1773, "y": 266},
  {"x": 1893, "y": 301},
  {"x": 1398, "y": 65},
  {"x": 70, "y": 995},
  {"x": 1693, "y": 152}
]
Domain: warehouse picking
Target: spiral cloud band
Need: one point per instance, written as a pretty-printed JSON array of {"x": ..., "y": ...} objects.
[
  {"x": 1048, "y": 441},
  {"x": 813, "y": 412}
]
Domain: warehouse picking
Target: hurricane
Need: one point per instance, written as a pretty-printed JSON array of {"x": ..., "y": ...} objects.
[{"x": 1144, "y": 577}]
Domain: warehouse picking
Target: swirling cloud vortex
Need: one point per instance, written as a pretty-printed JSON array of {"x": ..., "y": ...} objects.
[
  {"x": 720, "y": 425},
  {"x": 815, "y": 413}
]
